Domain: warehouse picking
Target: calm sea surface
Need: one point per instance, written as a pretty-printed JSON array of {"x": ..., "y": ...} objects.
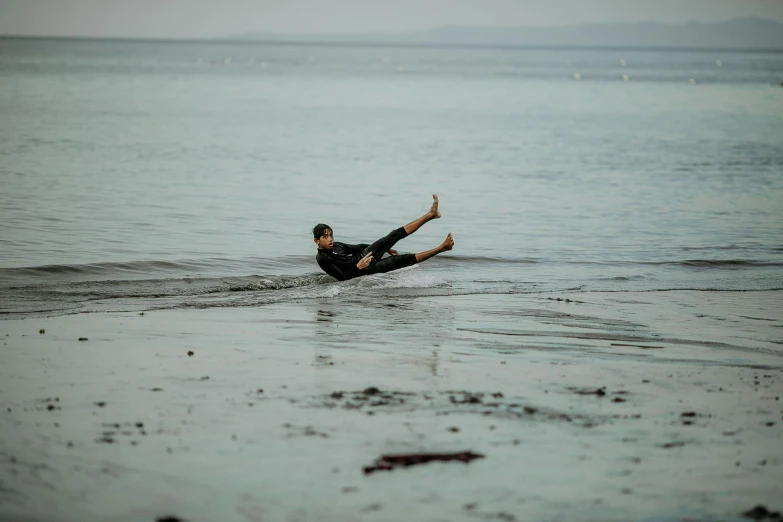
[{"x": 136, "y": 176}]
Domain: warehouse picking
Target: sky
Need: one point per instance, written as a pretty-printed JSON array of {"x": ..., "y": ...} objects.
[{"x": 215, "y": 18}]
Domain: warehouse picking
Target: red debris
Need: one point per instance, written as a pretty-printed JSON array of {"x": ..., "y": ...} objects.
[{"x": 389, "y": 462}]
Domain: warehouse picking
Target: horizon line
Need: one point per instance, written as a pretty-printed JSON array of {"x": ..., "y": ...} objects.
[
  {"x": 337, "y": 43},
  {"x": 271, "y": 35}
]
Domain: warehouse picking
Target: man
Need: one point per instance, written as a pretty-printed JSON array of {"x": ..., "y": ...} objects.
[{"x": 343, "y": 261}]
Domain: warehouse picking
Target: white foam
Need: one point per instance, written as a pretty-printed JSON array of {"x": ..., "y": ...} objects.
[
  {"x": 407, "y": 277},
  {"x": 332, "y": 291}
]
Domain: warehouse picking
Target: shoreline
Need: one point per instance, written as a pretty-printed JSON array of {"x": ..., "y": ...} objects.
[{"x": 270, "y": 419}]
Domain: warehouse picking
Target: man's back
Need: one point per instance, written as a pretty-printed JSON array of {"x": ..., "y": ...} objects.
[{"x": 340, "y": 261}]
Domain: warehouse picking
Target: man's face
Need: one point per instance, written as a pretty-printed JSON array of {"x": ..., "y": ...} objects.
[{"x": 325, "y": 241}]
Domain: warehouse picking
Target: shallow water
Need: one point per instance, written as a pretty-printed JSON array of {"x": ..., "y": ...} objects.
[{"x": 141, "y": 176}]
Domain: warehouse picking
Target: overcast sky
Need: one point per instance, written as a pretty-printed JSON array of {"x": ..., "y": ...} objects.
[{"x": 215, "y": 18}]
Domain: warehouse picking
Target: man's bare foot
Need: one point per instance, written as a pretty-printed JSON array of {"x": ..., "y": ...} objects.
[
  {"x": 447, "y": 244},
  {"x": 434, "y": 208}
]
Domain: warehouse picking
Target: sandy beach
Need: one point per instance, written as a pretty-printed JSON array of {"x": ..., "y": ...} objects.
[{"x": 272, "y": 418}]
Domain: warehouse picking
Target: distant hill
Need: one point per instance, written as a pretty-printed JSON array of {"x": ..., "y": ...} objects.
[{"x": 741, "y": 33}]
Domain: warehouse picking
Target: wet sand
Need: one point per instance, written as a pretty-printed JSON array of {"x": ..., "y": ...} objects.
[{"x": 605, "y": 407}]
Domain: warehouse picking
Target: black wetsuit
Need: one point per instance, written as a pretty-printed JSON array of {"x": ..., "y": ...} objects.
[{"x": 340, "y": 262}]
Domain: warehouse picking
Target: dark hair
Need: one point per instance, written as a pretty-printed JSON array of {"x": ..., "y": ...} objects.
[{"x": 320, "y": 229}]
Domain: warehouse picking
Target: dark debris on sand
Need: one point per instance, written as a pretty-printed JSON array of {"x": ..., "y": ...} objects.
[
  {"x": 116, "y": 432},
  {"x": 688, "y": 418},
  {"x": 600, "y": 392},
  {"x": 52, "y": 404},
  {"x": 304, "y": 431},
  {"x": 762, "y": 513},
  {"x": 370, "y": 397},
  {"x": 389, "y": 462},
  {"x": 374, "y": 400},
  {"x": 466, "y": 398},
  {"x": 674, "y": 444}
]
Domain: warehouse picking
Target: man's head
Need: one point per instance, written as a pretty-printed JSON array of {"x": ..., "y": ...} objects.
[{"x": 322, "y": 235}]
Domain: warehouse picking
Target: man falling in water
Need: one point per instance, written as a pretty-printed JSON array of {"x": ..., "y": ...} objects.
[{"x": 343, "y": 261}]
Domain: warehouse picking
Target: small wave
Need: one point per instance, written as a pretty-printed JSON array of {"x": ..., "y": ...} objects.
[
  {"x": 64, "y": 297},
  {"x": 621, "y": 278},
  {"x": 484, "y": 260},
  {"x": 74, "y": 293},
  {"x": 684, "y": 289},
  {"x": 690, "y": 263},
  {"x": 148, "y": 267},
  {"x": 718, "y": 247},
  {"x": 186, "y": 268},
  {"x": 95, "y": 269},
  {"x": 723, "y": 263},
  {"x": 697, "y": 263}
]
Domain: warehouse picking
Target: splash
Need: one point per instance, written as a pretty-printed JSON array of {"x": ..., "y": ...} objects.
[
  {"x": 332, "y": 291},
  {"x": 407, "y": 277}
]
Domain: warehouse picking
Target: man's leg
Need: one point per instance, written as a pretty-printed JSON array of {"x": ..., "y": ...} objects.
[
  {"x": 388, "y": 264},
  {"x": 383, "y": 245},
  {"x": 447, "y": 245},
  {"x": 414, "y": 225},
  {"x": 396, "y": 262}
]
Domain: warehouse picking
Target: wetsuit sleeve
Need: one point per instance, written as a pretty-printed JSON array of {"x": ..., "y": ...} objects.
[{"x": 331, "y": 269}]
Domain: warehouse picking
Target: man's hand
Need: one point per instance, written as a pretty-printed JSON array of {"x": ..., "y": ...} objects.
[
  {"x": 364, "y": 262},
  {"x": 393, "y": 252}
]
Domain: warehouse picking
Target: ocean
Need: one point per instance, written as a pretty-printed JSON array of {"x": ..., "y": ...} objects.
[
  {"x": 605, "y": 334},
  {"x": 146, "y": 175}
]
